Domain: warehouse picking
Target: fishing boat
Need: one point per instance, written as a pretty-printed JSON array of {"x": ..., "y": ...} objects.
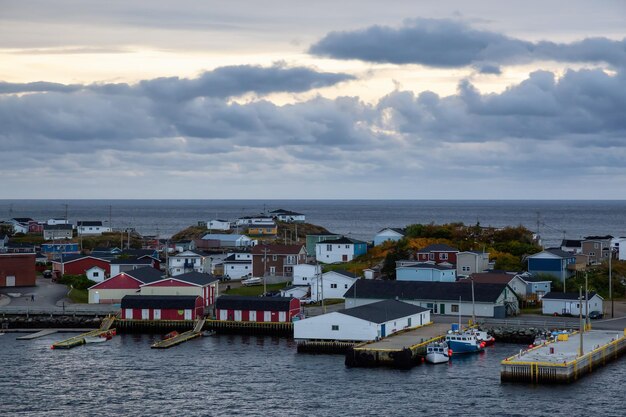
[
  {"x": 438, "y": 352},
  {"x": 464, "y": 342},
  {"x": 484, "y": 337}
]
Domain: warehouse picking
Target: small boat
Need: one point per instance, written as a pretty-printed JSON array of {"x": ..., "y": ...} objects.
[
  {"x": 208, "y": 333},
  {"x": 484, "y": 337},
  {"x": 95, "y": 339},
  {"x": 170, "y": 335},
  {"x": 438, "y": 352},
  {"x": 464, "y": 342}
]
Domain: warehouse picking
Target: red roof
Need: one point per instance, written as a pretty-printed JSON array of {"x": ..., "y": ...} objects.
[{"x": 277, "y": 249}]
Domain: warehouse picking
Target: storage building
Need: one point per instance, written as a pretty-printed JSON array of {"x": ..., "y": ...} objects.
[
  {"x": 161, "y": 307},
  {"x": 257, "y": 309},
  {"x": 17, "y": 270},
  {"x": 191, "y": 283}
]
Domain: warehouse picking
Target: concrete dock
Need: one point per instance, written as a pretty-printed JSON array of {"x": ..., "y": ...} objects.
[
  {"x": 560, "y": 362},
  {"x": 400, "y": 350}
]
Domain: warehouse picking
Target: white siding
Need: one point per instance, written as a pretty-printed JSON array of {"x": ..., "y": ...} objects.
[{"x": 335, "y": 254}]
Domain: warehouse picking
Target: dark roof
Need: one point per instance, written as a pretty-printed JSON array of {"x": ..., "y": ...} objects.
[
  {"x": 383, "y": 311},
  {"x": 138, "y": 252},
  {"x": 400, "y": 230},
  {"x": 69, "y": 258},
  {"x": 147, "y": 274},
  {"x": 571, "y": 243},
  {"x": 560, "y": 253},
  {"x": 324, "y": 234},
  {"x": 489, "y": 278},
  {"x": 345, "y": 273},
  {"x": 554, "y": 295},
  {"x": 417, "y": 290},
  {"x": 277, "y": 249},
  {"x": 89, "y": 223},
  {"x": 108, "y": 250},
  {"x": 58, "y": 227},
  {"x": 438, "y": 247},
  {"x": 231, "y": 259},
  {"x": 237, "y": 302},
  {"x": 22, "y": 219},
  {"x": 130, "y": 261},
  {"x": 196, "y": 278},
  {"x": 607, "y": 237},
  {"x": 427, "y": 265},
  {"x": 286, "y": 212},
  {"x": 159, "y": 301},
  {"x": 341, "y": 240}
]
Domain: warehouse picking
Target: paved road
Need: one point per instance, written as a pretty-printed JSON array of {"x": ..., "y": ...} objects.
[{"x": 46, "y": 294}]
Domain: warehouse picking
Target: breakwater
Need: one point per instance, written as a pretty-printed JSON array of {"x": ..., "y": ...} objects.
[
  {"x": 519, "y": 335},
  {"x": 49, "y": 322}
]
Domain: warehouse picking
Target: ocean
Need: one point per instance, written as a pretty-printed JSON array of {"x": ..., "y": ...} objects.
[{"x": 360, "y": 219}]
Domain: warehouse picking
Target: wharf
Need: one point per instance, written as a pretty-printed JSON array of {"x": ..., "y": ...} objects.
[
  {"x": 559, "y": 362},
  {"x": 181, "y": 338},
  {"x": 40, "y": 333},
  {"x": 105, "y": 329},
  {"x": 399, "y": 350}
]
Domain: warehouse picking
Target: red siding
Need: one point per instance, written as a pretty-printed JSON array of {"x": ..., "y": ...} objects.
[
  {"x": 21, "y": 266},
  {"x": 172, "y": 282},
  {"x": 80, "y": 266},
  {"x": 119, "y": 282}
]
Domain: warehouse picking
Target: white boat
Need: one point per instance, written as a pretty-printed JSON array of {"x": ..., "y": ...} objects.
[
  {"x": 437, "y": 352},
  {"x": 95, "y": 339}
]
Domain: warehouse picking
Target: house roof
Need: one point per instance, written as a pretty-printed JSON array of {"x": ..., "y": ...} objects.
[
  {"x": 58, "y": 227},
  {"x": 196, "y": 278},
  {"x": 222, "y": 236},
  {"x": 89, "y": 223},
  {"x": 489, "y": 278},
  {"x": 341, "y": 240},
  {"x": 130, "y": 261},
  {"x": 399, "y": 230},
  {"x": 553, "y": 295},
  {"x": 103, "y": 249},
  {"x": 438, "y": 247},
  {"x": 571, "y": 243},
  {"x": 231, "y": 259},
  {"x": 345, "y": 273},
  {"x": 286, "y": 212},
  {"x": 22, "y": 219},
  {"x": 159, "y": 301},
  {"x": 277, "y": 249},
  {"x": 146, "y": 275},
  {"x": 607, "y": 237},
  {"x": 237, "y": 302},
  {"x": 558, "y": 252},
  {"x": 425, "y": 265},
  {"x": 383, "y": 311},
  {"x": 138, "y": 252},
  {"x": 417, "y": 290}
]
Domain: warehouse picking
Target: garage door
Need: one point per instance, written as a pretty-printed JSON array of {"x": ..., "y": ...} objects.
[{"x": 11, "y": 281}]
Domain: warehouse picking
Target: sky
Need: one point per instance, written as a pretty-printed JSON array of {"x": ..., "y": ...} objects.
[{"x": 312, "y": 100}]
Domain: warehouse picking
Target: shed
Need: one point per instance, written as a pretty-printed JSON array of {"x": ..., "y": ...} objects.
[
  {"x": 257, "y": 309},
  {"x": 191, "y": 283},
  {"x": 570, "y": 303},
  {"x": 161, "y": 307}
]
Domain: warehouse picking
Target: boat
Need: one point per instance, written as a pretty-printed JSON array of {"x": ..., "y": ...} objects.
[
  {"x": 170, "y": 335},
  {"x": 464, "y": 342},
  {"x": 484, "y": 337},
  {"x": 95, "y": 339},
  {"x": 208, "y": 333},
  {"x": 438, "y": 352}
]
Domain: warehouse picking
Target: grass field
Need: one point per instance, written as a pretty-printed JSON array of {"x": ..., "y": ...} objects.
[
  {"x": 253, "y": 290},
  {"x": 79, "y": 296}
]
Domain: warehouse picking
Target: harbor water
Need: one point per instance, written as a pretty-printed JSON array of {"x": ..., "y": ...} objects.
[{"x": 227, "y": 375}]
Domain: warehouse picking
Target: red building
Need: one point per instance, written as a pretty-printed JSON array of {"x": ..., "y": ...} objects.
[
  {"x": 161, "y": 307},
  {"x": 17, "y": 270},
  {"x": 257, "y": 309},
  {"x": 35, "y": 227},
  {"x": 79, "y": 264},
  {"x": 276, "y": 260},
  {"x": 191, "y": 283},
  {"x": 438, "y": 253},
  {"x": 112, "y": 290}
]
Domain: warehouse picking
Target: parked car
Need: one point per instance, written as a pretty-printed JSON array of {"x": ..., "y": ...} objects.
[
  {"x": 596, "y": 315},
  {"x": 306, "y": 300},
  {"x": 251, "y": 281},
  {"x": 47, "y": 273}
]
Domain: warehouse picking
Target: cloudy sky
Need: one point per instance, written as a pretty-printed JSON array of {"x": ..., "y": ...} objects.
[{"x": 326, "y": 99}]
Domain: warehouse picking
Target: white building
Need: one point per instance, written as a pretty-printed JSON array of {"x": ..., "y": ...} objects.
[
  {"x": 303, "y": 274},
  {"x": 20, "y": 224},
  {"x": 187, "y": 261},
  {"x": 331, "y": 284},
  {"x": 252, "y": 220},
  {"x": 618, "y": 246},
  {"x": 218, "y": 225},
  {"x": 238, "y": 265},
  {"x": 388, "y": 234},
  {"x": 295, "y": 291},
  {"x": 85, "y": 228},
  {"x": 96, "y": 274},
  {"x": 54, "y": 222},
  {"x": 423, "y": 271},
  {"x": 471, "y": 262},
  {"x": 288, "y": 216},
  {"x": 364, "y": 323},
  {"x": 220, "y": 240},
  {"x": 339, "y": 250},
  {"x": 558, "y": 303},
  {"x": 57, "y": 231}
]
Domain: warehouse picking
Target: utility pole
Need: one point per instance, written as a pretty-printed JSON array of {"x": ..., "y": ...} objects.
[
  {"x": 587, "y": 322},
  {"x": 110, "y": 217},
  {"x": 322, "y": 282},
  {"x": 580, "y": 316},
  {"x": 473, "y": 304},
  {"x": 264, "y": 270},
  {"x": 611, "y": 283}
]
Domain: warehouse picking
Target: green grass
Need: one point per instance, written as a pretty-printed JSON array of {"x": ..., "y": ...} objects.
[
  {"x": 79, "y": 296},
  {"x": 254, "y": 290}
]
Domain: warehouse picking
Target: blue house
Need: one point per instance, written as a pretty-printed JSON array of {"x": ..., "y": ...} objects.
[
  {"x": 424, "y": 272},
  {"x": 59, "y": 249},
  {"x": 552, "y": 261}
]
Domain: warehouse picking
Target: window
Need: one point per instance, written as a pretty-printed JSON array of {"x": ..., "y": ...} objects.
[
  {"x": 431, "y": 256},
  {"x": 329, "y": 248},
  {"x": 347, "y": 246},
  {"x": 465, "y": 268},
  {"x": 334, "y": 327},
  {"x": 333, "y": 285},
  {"x": 455, "y": 308},
  {"x": 443, "y": 256},
  {"x": 246, "y": 267},
  {"x": 304, "y": 278},
  {"x": 346, "y": 286},
  {"x": 595, "y": 246},
  {"x": 96, "y": 274},
  {"x": 274, "y": 257},
  {"x": 232, "y": 267},
  {"x": 592, "y": 254}
]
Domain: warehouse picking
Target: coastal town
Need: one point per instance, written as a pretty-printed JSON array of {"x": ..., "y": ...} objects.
[{"x": 274, "y": 273}]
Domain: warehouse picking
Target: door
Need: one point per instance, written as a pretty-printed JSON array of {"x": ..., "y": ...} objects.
[
  {"x": 128, "y": 314},
  {"x": 157, "y": 314},
  {"x": 382, "y": 330},
  {"x": 145, "y": 314},
  {"x": 272, "y": 270},
  {"x": 408, "y": 324},
  {"x": 252, "y": 316},
  {"x": 267, "y": 316},
  {"x": 237, "y": 315},
  {"x": 96, "y": 297},
  {"x": 10, "y": 281},
  {"x": 187, "y": 314},
  {"x": 223, "y": 314},
  {"x": 282, "y": 316},
  {"x": 442, "y": 309},
  {"x": 344, "y": 258}
]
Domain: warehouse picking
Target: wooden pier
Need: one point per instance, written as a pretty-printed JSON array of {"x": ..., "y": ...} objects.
[
  {"x": 560, "y": 361},
  {"x": 181, "y": 338},
  {"x": 401, "y": 350},
  {"x": 105, "y": 328}
]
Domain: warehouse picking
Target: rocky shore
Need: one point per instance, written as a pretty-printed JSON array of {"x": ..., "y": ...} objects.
[
  {"x": 49, "y": 322},
  {"x": 517, "y": 334}
]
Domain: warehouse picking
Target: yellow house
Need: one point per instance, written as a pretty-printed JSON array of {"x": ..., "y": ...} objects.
[{"x": 263, "y": 229}]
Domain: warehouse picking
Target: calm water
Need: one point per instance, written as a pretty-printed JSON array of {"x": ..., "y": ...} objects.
[
  {"x": 358, "y": 218},
  {"x": 238, "y": 375}
]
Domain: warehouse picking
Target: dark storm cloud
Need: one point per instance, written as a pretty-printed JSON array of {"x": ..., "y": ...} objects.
[
  {"x": 450, "y": 44},
  {"x": 221, "y": 82}
]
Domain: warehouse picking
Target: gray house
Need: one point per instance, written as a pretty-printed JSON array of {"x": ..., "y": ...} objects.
[
  {"x": 57, "y": 231},
  {"x": 471, "y": 262}
]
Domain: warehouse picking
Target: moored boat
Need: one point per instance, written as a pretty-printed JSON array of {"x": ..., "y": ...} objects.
[
  {"x": 464, "y": 342},
  {"x": 484, "y": 337},
  {"x": 95, "y": 339},
  {"x": 438, "y": 352}
]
